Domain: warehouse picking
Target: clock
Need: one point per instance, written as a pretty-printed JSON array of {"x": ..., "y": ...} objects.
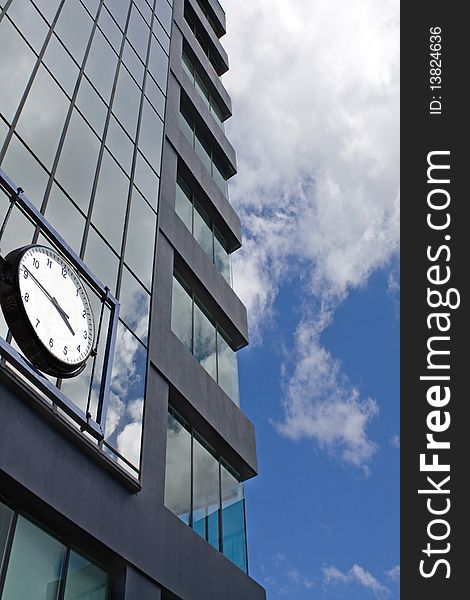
[{"x": 47, "y": 310}]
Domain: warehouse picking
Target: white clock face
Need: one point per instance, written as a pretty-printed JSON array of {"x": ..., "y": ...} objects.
[{"x": 56, "y": 305}]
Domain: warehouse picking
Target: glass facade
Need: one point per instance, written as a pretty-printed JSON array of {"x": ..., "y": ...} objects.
[
  {"x": 202, "y": 90},
  {"x": 190, "y": 211},
  {"x": 204, "y": 492},
  {"x": 36, "y": 565},
  {"x": 204, "y": 338},
  {"x": 81, "y": 131},
  {"x": 204, "y": 150}
]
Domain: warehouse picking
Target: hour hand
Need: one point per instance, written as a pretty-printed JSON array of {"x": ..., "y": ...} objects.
[{"x": 63, "y": 314}]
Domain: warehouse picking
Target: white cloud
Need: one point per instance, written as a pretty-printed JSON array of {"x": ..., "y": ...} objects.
[
  {"x": 395, "y": 441},
  {"x": 357, "y": 575},
  {"x": 315, "y": 95},
  {"x": 394, "y": 573}
]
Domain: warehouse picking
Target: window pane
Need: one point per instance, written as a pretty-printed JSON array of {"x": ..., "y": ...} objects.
[
  {"x": 74, "y": 28},
  {"x": 219, "y": 178},
  {"x": 146, "y": 180},
  {"x": 127, "y": 101},
  {"x": 222, "y": 257},
  {"x": 101, "y": 65},
  {"x": 181, "y": 314},
  {"x": 202, "y": 89},
  {"x": 187, "y": 129},
  {"x": 15, "y": 68},
  {"x": 48, "y": 8},
  {"x": 124, "y": 420},
  {"x": 183, "y": 206},
  {"x": 140, "y": 241},
  {"x": 26, "y": 172},
  {"x": 120, "y": 145},
  {"x": 92, "y": 106},
  {"x": 119, "y": 10},
  {"x": 151, "y": 136},
  {"x": 35, "y": 566},
  {"x": 188, "y": 67},
  {"x": 158, "y": 64},
  {"x": 61, "y": 65},
  {"x": 18, "y": 232},
  {"x": 161, "y": 35},
  {"x": 110, "y": 29},
  {"x": 133, "y": 63},
  {"x": 135, "y": 305},
  {"x": 101, "y": 260},
  {"x": 43, "y": 117},
  {"x": 233, "y": 519},
  {"x": 85, "y": 581},
  {"x": 227, "y": 369},
  {"x": 205, "y": 493},
  {"x": 178, "y": 469},
  {"x": 29, "y": 22},
  {"x": 109, "y": 208},
  {"x": 163, "y": 11},
  {"x": 203, "y": 150},
  {"x": 77, "y": 163},
  {"x": 6, "y": 515},
  {"x": 138, "y": 33},
  {"x": 202, "y": 231},
  {"x": 204, "y": 341},
  {"x": 62, "y": 214},
  {"x": 155, "y": 96}
]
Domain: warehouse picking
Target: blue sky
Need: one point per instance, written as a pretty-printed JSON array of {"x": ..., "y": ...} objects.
[{"x": 315, "y": 90}]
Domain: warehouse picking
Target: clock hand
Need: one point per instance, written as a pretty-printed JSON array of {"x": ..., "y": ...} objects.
[{"x": 61, "y": 312}]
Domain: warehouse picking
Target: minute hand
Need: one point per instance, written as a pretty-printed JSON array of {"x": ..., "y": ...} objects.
[{"x": 53, "y": 300}]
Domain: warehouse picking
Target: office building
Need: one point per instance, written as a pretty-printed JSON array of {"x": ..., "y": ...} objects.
[{"x": 123, "y": 449}]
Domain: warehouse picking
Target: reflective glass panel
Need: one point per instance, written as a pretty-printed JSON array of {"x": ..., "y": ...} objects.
[
  {"x": 204, "y": 341},
  {"x": 127, "y": 101},
  {"x": 203, "y": 150},
  {"x": 138, "y": 33},
  {"x": 19, "y": 231},
  {"x": 6, "y": 515},
  {"x": 182, "y": 314},
  {"x": 161, "y": 35},
  {"x": 35, "y": 565},
  {"x": 133, "y": 63},
  {"x": 155, "y": 95},
  {"x": 29, "y": 22},
  {"x": 124, "y": 419},
  {"x": 205, "y": 493},
  {"x": 74, "y": 28},
  {"x": 178, "y": 469},
  {"x": 120, "y": 145},
  {"x": 222, "y": 257},
  {"x": 25, "y": 170},
  {"x": 109, "y": 207},
  {"x": 43, "y": 117},
  {"x": 101, "y": 65},
  {"x": 65, "y": 217},
  {"x": 77, "y": 162},
  {"x": 233, "y": 518},
  {"x": 85, "y": 580},
  {"x": 188, "y": 67},
  {"x": 151, "y": 136},
  {"x": 227, "y": 368},
  {"x": 187, "y": 129},
  {"x": 101, "y": 260},
  {"x": 202, "y": 230},
  {"x": 183, "y": 205},
  {"x": 119, "y": 10},
  {"x": 158, "y": 64},
  {"x": 219, "y": 178},
  {"x": 140, "y": 241},
  {"x": 91, "y": 106},
  {"x": 61, "y": 65},
  {"x": 110, "y": 29},
  {"x": 48, "y": 8},
  {"x": 15, "y": 67},
  {"x": 146, "y": 180},
  {"x": 202, "y": 89},
  {"x": 164, "y": 13},
  {"x": 135, "y": 305}
]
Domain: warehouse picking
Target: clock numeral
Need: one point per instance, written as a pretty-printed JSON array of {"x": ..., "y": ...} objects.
[
  {"x": 64, "y": 272},
  {"x": 65, "y": 350},
  {"x": 51, "y": 343},
  {"x": 35, "y": 263},
  {"x": 78, "y": 348},
  {"x": 49, "y": 263},
  {"x": 25, "y": 273},
  {"x": 85, "y": 335},
  {"x": 37, "y": 322},
  {"x": 76, "y": 293},
  {"x": 84, "y": 314},
  {"x": 26, "y": 297}
]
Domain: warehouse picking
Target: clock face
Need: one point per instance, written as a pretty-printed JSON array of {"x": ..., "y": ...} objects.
[{"x": 57, "y": 308}]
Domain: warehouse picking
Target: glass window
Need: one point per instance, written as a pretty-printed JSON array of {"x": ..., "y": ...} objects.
[
  {"x": 219, "y": 177},
  {"x": 183, "y": 205},
  {"x": 119, "y": 10},
  {"x": 19, "y": 231},
  {"x": 182, "y": 314},
  {"x": 109, "y": 207},
  {"x": 74, "y": 28},
  {"x": 110, "y": 29},
  {"x": 161, "y": 35},
  {"x": 227, "y": 368},
  {"x": 25, "y": 170},
  {"x": 205, "y": 493},
  {"x": 155, "y": 95},
  {"x": 77, "y": 162},
  {"x": 48, "y": 8},
  {"x": 135, "y": 305},
  {"x": 101, "y": 65},
  {"x": 158, "y": 63},
  {"x": 62, "y": 214},
  {"x": 187, "y": 128},
  {"x": 233, "y": 518},
  {"x": 222, "y": 257},
  {"x": 101, "y": 260},
  {"x": 144, "y": 10},
  {"x": 138, "y": 33},
  {"x": 91, "y": 106},
  {"x": 140, "y": 241},
  {"x": 146, "y": 180},
  {"x": 188, "y": 67},
  {"x": 124, "y": 419},
  {"x": 202, "y": 89},
  {"x": 202, "y": 230},
  {"x": 164, "y": 14},
  {"x": 61, "y": 65},
  {"x": 29, "y": 22},
  {"x": 35, "y": 565},
  {"x": 6, "y": 516},
  {"x": 151, "y": 136},
  {"x": 203, "y": 150},
  {"x": 178, "y": 469},
  {"x": 43, "y": 116},
  {"x": 120, "y": 144},
  {"x": 85, "y": 580},
  {"x": 204, "y": 341},
  {"x": 133, "y": 63},
  {"x": 127, "y": 101}
]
